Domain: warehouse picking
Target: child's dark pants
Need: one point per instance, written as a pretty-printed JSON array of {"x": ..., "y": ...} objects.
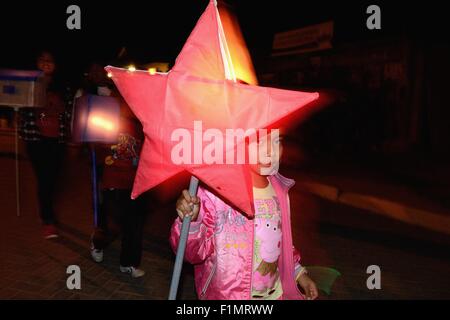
[{"x": 130, "y": 216}]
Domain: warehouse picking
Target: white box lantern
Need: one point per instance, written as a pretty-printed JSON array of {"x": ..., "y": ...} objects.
[{"x": 19, "y": 88}]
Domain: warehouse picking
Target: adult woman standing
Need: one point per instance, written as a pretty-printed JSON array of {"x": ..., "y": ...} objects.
[{"x": 42, "y": 129}]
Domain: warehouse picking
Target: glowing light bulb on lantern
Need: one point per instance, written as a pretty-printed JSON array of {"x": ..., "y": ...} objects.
[
  {"x": 152, "y": 71},
  {"x": 101, "y": 123},
  {"x": 109, "y": 75},
  {"x": 131, "y": 68}
]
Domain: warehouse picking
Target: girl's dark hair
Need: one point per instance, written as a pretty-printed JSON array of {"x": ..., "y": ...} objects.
[
  {"x": 42, "y": 51},
  {"x": 57, "y": 82}
]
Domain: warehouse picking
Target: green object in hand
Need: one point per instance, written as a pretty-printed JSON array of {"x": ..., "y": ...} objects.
[{"x": 324, "y": 277}]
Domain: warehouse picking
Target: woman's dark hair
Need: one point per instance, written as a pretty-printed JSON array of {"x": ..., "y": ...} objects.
[
  {"x": 57, "y": 83},
  {"x": 42, "y": 51}
]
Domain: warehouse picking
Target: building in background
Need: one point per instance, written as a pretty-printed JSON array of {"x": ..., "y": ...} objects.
[{"x": 391, "y": 88}]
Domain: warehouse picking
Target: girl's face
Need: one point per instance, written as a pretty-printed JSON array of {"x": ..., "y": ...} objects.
[
  {"x": 270, "y": 149},
  {"x": 46, "y": 63}
]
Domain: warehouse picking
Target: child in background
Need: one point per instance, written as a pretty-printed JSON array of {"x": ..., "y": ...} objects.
[
  {"x": 43, "y": 129},
  {"x": 241, "y": 258},
  {"x": 116, "y": 169},
  {"x": 116, "y": 175}
]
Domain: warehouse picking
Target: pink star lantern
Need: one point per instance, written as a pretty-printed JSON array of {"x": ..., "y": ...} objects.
[{"x": 200, "y": 87}]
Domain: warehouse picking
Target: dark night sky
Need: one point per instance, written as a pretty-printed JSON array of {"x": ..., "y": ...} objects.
[{"x": 156, "y": 30}]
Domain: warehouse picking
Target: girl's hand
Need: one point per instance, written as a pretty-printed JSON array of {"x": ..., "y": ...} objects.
[
  {"x": 308, "y": 286},
  {"x": 188, "y": 206}
]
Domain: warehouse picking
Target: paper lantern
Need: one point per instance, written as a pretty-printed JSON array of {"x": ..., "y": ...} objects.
[
  {"x": 20, "y": 88},
  {"x": 95, "y": 119}
]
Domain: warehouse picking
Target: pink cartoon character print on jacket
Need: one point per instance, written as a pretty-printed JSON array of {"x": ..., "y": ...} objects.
[{"x": 268, "y": 249}]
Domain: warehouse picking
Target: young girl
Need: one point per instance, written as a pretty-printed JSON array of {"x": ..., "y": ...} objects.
[
  {"x": 241, "y": 258},
  {"x": 116, "y": 169}
]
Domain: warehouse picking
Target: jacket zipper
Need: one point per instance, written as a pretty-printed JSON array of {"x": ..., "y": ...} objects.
[
  {"x": 208, "y": 281},
  {"x": 251, "y": 268},
  {"x": 289, "y": 215}
]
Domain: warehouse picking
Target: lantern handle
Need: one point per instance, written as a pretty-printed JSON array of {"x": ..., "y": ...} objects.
[{"x": 193, "y": 187}]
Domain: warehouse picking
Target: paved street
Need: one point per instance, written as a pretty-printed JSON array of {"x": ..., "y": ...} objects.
[{"x": 414, "y": 262}]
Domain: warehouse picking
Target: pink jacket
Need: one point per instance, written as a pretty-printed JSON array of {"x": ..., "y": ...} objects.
[{"x": 220, "y": 246}]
